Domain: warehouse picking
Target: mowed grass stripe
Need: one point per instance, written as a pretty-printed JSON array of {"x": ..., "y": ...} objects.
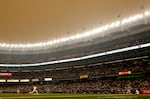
[{"x": 73, "y": 96}]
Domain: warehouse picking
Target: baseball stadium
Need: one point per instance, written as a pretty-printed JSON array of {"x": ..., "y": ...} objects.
[{"x": 74, "y": 49}]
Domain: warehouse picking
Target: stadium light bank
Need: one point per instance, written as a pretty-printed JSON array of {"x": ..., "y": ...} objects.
[{"x": 98, "y": 30}]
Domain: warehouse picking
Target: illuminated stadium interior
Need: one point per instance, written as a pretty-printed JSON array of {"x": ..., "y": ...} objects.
[{"x": 111, "y": 58}]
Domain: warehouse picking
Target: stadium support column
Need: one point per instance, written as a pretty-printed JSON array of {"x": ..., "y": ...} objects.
[{"x": 142, "y": 8}]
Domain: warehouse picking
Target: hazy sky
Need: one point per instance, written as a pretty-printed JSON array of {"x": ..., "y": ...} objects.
[{"x": 28, "y": 21}]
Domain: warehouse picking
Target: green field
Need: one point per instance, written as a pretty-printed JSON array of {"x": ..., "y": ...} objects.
[{"x": 72, "y": 96}]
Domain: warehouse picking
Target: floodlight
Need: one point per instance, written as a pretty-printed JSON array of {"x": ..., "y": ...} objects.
[
  {"x": 77, "y": 36},
  {"x": 86, "y": 34},
  {"x": 124, "y": 21},
  {"x": 140, "y": 16},
  {"x": 117, "y": 23},
  {"x": 20, "y": 45},
  {"x": 7, "y": 45},
  {"x": 3, "y": 45},
  {"x": 49, "y": 43},
  {"x": 16, "y": 45},
  {"x": 97, "y": 30},
  {"x": 64, "y": 39},
  {"x": 147, "y": 13},
  {"x": 12, "y": 45},
  {"x": 105, "y": 27},
  {"x": 72, "y": 37},
  {"x": 112, "y": 25},
  {"x": 44, "y": 44}
]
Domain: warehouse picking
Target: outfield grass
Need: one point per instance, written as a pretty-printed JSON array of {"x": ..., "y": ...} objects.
[{"x": 72, "y": 96}]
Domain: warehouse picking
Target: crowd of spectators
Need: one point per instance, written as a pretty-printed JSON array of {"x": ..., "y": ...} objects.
[
  {"x": 106, "y": 81},
  {"x": 111, "y": 86}
]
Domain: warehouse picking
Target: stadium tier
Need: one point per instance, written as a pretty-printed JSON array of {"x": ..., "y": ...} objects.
[
  {"x": 121, "y": 73},
  {"x": 136, "y": 35}
]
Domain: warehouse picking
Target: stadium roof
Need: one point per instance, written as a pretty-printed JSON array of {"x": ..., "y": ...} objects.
[{"x": 30, "y": 21}]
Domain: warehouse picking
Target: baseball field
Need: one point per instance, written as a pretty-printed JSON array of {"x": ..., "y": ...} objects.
[{"x": 72, "y": 96}]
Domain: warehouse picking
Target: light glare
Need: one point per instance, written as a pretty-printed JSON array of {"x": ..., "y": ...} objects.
[
  {"x": 79, "y": 35},
  {"x": 147, "y": 13}
]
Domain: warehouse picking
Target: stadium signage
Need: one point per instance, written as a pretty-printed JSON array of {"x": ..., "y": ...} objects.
[
  {"x": 2, "y": 80},
  {"x": 24, "y": 80},
  {"x": 125, "y": 73},
  {"x": 48, "y": 79},
  {"x": 145, "y": 91},
  {"x": 83, "y": 76},
  {"x": 13, "y": 80},
  {"x": 5, "y": 74},
  {"x": 130, "y": 76}
]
